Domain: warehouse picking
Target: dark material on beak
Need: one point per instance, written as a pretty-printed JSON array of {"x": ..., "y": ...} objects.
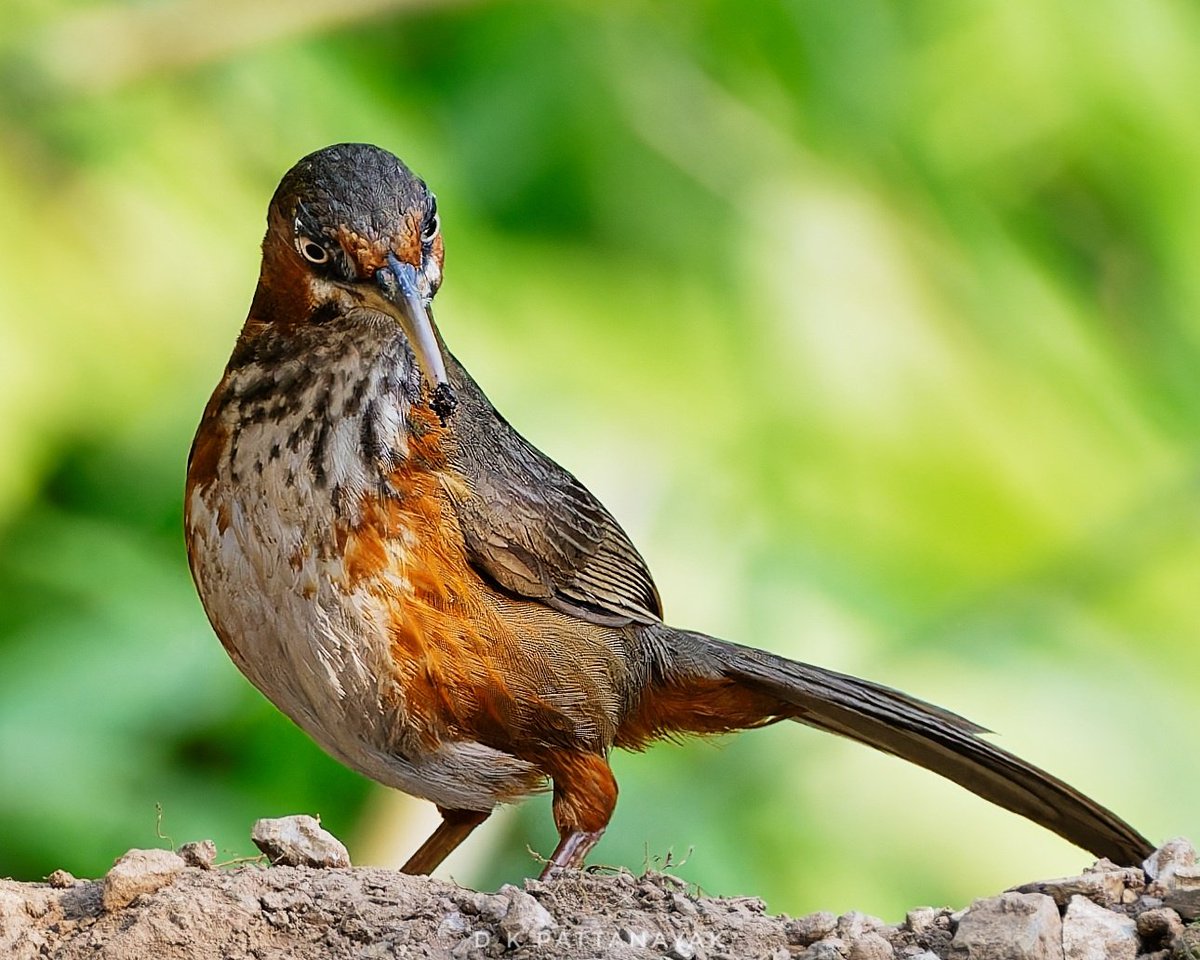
[{"x": 398, "y": 281}]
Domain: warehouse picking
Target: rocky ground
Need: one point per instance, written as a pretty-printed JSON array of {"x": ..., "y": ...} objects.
[{"x": 160, "y": 905}]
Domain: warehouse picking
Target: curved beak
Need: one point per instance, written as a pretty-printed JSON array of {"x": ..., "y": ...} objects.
[{"x": 398, "y": 283}]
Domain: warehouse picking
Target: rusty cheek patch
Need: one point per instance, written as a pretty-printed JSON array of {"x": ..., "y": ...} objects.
[{"x": 285, "y": 295}]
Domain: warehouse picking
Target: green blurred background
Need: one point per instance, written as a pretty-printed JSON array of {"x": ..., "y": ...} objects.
[{"x": 878, "y": 325}]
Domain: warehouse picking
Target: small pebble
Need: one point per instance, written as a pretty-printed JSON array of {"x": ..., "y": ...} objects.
[
  {"x": 199, "y": 853},
  {"x": 138, "y": 872},
  {"x": 852, "y": 925},
  {"x": 831, "y": 949},
  {"x": 682, "y": 949},
  {"x": 1162, "y": 863},
  {"x": 681, "y": 904},
  {"x": 299, "y": 841},
  {"x": 61, "y": 880},
  {"x": 804, "y": 931},
  {"x": 870, "y": 946},
  {"x": 920, "y": 919},
  {"x": 1160, "y": 926},
  {"x": 453, "y": 923},
  {"x": 524, "y": 919}
]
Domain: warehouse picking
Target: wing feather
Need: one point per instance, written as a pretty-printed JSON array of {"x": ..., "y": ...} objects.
[{"x": 534, "y": 529}]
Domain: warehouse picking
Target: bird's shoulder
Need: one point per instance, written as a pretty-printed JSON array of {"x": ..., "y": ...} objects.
[{"x": 533, "y": 529}]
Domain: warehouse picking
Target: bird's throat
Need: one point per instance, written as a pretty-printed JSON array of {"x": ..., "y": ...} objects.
[{"x": 317, "y": 412}]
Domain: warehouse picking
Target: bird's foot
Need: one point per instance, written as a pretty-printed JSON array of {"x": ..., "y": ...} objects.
[{"x": 570, "y": 853}]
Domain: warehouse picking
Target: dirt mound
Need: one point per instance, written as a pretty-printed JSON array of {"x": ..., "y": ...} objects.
[{"x": 166, "y": 906}]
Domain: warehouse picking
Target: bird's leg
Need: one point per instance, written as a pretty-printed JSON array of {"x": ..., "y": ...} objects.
[
  {"x": 585, "y": 794},
  {"x": 571, "y": 851},
  {"x": 455, "y": 827}
]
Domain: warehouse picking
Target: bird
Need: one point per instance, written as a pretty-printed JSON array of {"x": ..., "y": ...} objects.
[{"x": 440, "y": 605}]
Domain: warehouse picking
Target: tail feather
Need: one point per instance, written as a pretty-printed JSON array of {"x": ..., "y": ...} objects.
[{"x": 919, "y": 732}]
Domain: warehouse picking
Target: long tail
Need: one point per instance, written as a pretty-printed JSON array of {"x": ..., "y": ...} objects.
[{"x": 941, "y": 741}]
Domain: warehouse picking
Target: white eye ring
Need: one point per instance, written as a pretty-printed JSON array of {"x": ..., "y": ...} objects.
[
  {"x": 311, "y": 251},
  {"x": 431, "y": 230}
]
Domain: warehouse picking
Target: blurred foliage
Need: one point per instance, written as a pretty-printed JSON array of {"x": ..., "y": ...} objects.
[{"x": 877, "y": 324}]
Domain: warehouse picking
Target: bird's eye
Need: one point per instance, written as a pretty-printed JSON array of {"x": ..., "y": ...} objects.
[
  {"x": 312, "y": 251},
  {"x": 432, "y": 224}
]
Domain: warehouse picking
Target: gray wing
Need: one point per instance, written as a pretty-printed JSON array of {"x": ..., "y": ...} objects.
[{"x": 535, "y": 530}]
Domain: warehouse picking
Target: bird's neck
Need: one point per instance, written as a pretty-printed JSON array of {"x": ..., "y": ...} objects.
[{"x": 315, "y": 410}]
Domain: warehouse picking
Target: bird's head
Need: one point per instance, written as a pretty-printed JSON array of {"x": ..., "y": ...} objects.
[{"x": 352, "y": 231}]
